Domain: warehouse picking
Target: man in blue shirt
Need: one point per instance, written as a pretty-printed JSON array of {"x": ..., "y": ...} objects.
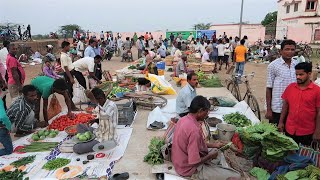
[
  {"x": 161, "y": 51},
  {"x": 186, "y": 95},
  {"x": 89, "y": 51}
]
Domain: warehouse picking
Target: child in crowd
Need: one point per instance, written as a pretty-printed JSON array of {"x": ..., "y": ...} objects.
[
  {"x": 57, "y": 67},
  {"x": 48, "y": 70}
]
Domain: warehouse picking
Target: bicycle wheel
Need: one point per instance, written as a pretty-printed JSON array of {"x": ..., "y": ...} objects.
[
  {"x": 318, "y": 53},
  {"x": 234, "y": 89},
  {"x": 254, "y": 105}
]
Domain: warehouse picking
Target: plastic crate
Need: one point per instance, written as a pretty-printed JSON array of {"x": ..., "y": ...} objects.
[{"x": 126, "y": 113}]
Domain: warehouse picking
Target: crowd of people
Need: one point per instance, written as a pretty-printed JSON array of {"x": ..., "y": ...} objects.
[{"x": 291, "y": 97}]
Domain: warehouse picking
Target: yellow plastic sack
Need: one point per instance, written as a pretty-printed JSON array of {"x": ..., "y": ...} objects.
[{"x": 160, "y": 86}]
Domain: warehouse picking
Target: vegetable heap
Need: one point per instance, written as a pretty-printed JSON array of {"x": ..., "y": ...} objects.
[
  {"x": 116, "y": 90},
  {"x": 310, "y": 172},
  {"x": 154, "y": 156},
  {"x": 39, "y": 147},
  {"x": 265, "y": 138},
  {"x": 208, "y": 81},
  {"x": 42, "y": 134},
  {"x": 237, "y": 119},
  {"x": 23, "y": 161},
  {"x": 63, "y": 121},
  {"x": 56, "y": 163},
  {"x": 10, "y": 175},
  {"x": 275, "y": 146},
  {"x": 132, "y": 67},
  {"x": 84, "y": 136}
]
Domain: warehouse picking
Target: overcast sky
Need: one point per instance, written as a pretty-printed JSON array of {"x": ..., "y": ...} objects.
[{"x": 130, "y": 15}]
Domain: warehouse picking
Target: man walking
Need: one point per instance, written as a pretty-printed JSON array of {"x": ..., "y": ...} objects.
[
  {"x": 300, "y": 115},
  {"x": 80, "y": 47},
  {"x": 19, "y": 32},
  {"x": 29, "y": 31},
  {"x": 16, "y": 74},
  {"x": 240, "y": 54},
  {"x": 280, "y": 74},
  {"x": 140, "y": 46}
]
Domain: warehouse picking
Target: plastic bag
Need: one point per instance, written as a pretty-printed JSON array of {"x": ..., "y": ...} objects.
[
  {"x": 55, "y": 107},
  {"x": 160, "y": 86},
  {"x": 223, "y": 101},
  {"x": 79, "y": 95}
]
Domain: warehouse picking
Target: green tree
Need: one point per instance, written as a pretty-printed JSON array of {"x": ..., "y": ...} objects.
[
  {"x": 270, "y": 18},
  {"x": 69, "y": 28},
  {"x": 202, "y": 26},
  {"x": 12, "y": 26}
]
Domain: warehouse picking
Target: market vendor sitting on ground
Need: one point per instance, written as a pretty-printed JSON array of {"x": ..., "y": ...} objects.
[
  {"x": 186, "y": 95},
  {"x": 190, "y": 154},
  {"x": 46, "y": 86},
  {"x": 22, "y": 111},
  {"x": 108, "y": 113},
  {"x": 182, "y": 66},
  {"x": 300, "y": 115},
  {"x": 150, "y": 66}
]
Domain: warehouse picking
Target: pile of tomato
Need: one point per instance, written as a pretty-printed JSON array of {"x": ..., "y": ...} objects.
[{"x": 64, "y": 121}]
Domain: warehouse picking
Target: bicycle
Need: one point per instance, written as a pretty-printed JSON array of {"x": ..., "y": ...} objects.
[
  {"x": 233, "y": 87},
  {"x": 318, "y": 53}
]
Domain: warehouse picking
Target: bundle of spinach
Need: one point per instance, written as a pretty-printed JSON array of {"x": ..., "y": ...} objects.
[
  {"x": 212, "y": 81},
  {"x": 23, "y": 161},
  {"x": 10, "y": 175},
  {"x": 154, "y": 156}
]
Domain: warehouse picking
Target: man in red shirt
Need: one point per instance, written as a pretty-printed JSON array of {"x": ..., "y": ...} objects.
[
  {"x": 301, "y": 106},
  {"x": 16, "y": 74},
  {"x": 190, "y": 155}
]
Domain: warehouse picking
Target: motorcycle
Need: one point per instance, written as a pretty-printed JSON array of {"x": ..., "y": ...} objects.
[
  {"x": 53, "y": 35},
  {"x": 108, "y": 52},
  {"x": 8, "y": 34}
]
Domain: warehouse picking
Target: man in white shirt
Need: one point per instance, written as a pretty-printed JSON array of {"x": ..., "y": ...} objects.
[
  {"x": 3, "y": 67},
  {"x": 221, "y": 48},
  {"x": 206, "y": 57},
  {"x": 4, "y": 53},
  {"x": 202, "y": 48},
  {"x": 80, "y": 47},
  {"x": 190, "y": 37},
  {"x": 86, "y": 64}
]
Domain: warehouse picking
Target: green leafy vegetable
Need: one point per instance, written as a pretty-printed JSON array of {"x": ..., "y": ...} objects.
[
  {"x": 116, "y": 90},
  {"x": 237, "y": 119},
  {"x": 56, "y": 163},
  {"x": 10, "y": 175},
  {"x": 23, "y": 161},
  {"x": 155, "y": 156},
  {"x": 259, "y": 173}
]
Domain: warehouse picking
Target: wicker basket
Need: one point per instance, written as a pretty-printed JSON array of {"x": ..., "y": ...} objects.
[
  {"x": 207, "y": 67},
  {"x": 169, "y": 60},
  {"x": 194, "y": 66}
]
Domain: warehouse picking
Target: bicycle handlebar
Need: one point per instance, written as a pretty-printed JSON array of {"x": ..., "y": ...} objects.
[{"x": 245, "y": 76}]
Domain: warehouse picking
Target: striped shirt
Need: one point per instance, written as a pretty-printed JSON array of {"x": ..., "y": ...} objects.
[
  {"x": 18, "y": 113},
  {"x": 279, "y": 76}
]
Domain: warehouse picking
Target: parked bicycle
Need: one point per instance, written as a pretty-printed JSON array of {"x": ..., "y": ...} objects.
[{"x": 233, "y": 87}]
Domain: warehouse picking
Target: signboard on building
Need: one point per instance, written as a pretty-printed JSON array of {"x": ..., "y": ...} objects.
[
  {"x": 185, "y": 34},
  {"x": 208, "y": 33}
]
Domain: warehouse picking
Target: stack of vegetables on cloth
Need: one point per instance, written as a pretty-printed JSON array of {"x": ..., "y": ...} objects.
[{"x": 108, "y": 120}]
